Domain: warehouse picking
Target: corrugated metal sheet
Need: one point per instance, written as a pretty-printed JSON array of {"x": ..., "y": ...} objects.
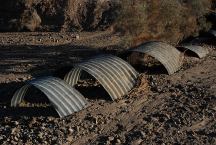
[
  {"x": 168, "y": 55},
  {"x": 199, "y": 40},
  {"x": 66, "y": 99},
  {"x": 73, "y": 76},
  {"x": 212, "y": 32},
  {"x": 115, "y": 75},
  {"x": 198, "y": 50}
]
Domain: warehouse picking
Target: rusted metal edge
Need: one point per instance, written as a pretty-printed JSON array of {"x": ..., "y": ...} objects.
[
  {"x": 166, "y": 54},
  {"x": 65, "y": 99},
  {"x": 114, "y": 74}
]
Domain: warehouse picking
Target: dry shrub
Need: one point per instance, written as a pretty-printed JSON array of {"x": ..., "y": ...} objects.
[
  {"x": 51, "y": 13},
  {"x": 132, "y": 19},
  {"x": 56, "y": 15},
  {"x": 165, "y": 20},
  {"x": 139, "y": 20},
  {"x": 89, "y": 14},
  {"x": 29, "y": 20}
]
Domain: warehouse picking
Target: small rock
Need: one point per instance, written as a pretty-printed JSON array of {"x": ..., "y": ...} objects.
[
  {"x": 13, "y": 142},
  {"x": 40, "y": 135},
  {"x": 77, "y": 128},
  {"x": 137, "y": 142},
  {"x": 70, "y": 139},
  {"x": 16, "y": 123},
  {"x": 111, "y": 138},
  {"x": 13, "y": 130},
  {"x": 77, "y": 37},
  {"x": 15, "y": 138},
  {"x": 70, "y": 130},
  {"x": 118, "y": 141},
  {"x": 142, "y": 134}
]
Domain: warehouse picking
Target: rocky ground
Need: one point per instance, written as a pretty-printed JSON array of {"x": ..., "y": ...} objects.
[{"x": 161, "y": 109}]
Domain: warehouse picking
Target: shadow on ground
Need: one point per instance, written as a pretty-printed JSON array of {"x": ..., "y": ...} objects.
[
  {"x": 28, "y": 111},
  {"x": 39, "y": 61}
]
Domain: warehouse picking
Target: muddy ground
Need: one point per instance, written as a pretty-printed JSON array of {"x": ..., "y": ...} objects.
[{"x": 161, "y": 109}]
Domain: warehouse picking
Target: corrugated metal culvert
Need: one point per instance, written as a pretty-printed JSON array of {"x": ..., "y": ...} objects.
[
  {"x": 198, "y": 50},
  {"x": 166, "y": 54},
  {"x": 114, "y": 74},
  {"x": 212, "y": 32},
  {"x": 65, "y": 99},
  {"x": 199, "y": 40}
]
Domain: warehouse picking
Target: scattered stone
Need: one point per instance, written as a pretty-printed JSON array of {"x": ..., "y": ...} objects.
[
  {"x": 111, "y": 138},
  {"x": 77, "y": 37}
]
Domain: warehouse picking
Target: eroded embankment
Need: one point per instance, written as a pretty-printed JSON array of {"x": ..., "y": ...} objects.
[{"x": 167, "y": 20}]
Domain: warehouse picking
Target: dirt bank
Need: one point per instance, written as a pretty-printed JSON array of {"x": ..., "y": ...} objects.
[
  {"x": 56, "y": 15},
  {"x": 138, "y": 21}
]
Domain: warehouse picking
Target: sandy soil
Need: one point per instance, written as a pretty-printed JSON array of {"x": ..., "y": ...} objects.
[{"x": 161, "y": 109}]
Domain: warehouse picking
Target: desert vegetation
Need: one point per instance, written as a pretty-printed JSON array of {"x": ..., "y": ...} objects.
[
  {"x": 166, "y": 20},
  {"x": 137, "y": 20}
]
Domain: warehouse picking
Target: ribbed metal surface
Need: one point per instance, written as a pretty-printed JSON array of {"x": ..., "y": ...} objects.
[
  {"x": 199, "y": 40},
  {"x": 19, "y": 94},
  {"x": 114, "y": 74},
  {"x": 66, "y": 99},
  {"x": 198, "y": 50},
  {"x": 73, "y": 76},
  {"x": 168, "y": 55},
  {"x": 212, "y": 32}
]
